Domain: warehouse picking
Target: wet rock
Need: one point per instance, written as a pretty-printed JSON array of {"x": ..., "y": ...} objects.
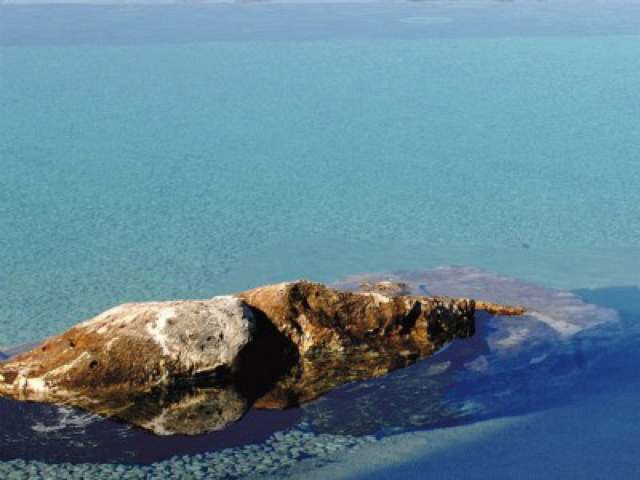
[
  {"x": 337, "y": 337},
  {"x": 194, "y": 366}
]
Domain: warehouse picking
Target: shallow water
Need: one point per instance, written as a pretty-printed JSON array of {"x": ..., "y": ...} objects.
[
  {"x": 564, "y": 351},
  {"x": 184, "y": 152}
]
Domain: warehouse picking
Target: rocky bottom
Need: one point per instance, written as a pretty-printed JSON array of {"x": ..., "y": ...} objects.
[
  {"x": 277, "y": 455},
  {"x": 565, "y": 346}
]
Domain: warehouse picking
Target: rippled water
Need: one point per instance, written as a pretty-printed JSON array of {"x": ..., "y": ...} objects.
[
  {"x": 155, "y": 170},
  {"x": 184, "y": 152}
]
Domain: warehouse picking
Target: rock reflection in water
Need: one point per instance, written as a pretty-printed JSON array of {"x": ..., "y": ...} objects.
[
  {"x": 191, "y": 411},
  {"x": 292, "y": 342},
  {"x": 58, "y": 433},
  {"x": 510, "y": 365},
  {"x": 208, "y": 407}
]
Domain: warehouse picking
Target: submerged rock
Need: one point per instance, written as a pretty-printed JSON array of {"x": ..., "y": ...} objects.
[{"x": 193, "y": 366}]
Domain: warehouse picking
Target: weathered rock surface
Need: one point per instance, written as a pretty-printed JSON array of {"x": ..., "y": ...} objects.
[
  {"x": 272, "y": 347},
  {"x": 339, "y": 337},
  {"x": 317, "y": 318},
  {"x": 132, "y": 348}
]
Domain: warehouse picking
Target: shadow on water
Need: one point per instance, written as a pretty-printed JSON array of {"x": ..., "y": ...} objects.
[
  {"x": 626, "y": 300},
  {"x": 498, "y": 372},
  {"x": 572, "y": 344},
  {"x": 204, "y": 415},
  {"x": 620, "y": 356},
  {"x": 60, "y": 434}
]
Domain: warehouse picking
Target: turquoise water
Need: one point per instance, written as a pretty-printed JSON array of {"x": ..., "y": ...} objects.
[
  {"x": 162, "y": 170},
  {"x": 188, "y": 152}
]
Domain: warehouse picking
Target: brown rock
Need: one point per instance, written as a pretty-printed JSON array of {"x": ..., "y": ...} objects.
[
  {"x": 341, "y": 337},
  {"x": 166, "y": 366},
  {"x": 386, "y": 287},
  {"x": 318, "y": 319},
  {"x": 132, "y": 348},
  {"x": 499, "y": 309}
]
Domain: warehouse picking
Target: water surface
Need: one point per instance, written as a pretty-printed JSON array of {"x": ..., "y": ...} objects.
[
  {"x": 188, "y": 151},
  {"x": 156, "y": 169}
]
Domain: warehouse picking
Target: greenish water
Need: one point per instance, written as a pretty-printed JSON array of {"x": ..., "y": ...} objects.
[
  {"x": 188, "y": 170},
  {"x": 184, "y": 152}
]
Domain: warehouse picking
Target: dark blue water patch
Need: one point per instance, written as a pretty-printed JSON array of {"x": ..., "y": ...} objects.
[
  {"x": 472, "y": 380},
  {"x": 593, "y": 438},
  {"x": 620, "y": 354},
  {"x": 624, "y": 299},
  {"x": 55, "y": 434},
  {"x": 125, "y": 24},
  {"x": 443, "y": 391}
]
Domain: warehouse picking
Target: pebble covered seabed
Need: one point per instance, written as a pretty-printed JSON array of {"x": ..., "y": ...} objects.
[{"x": 276, "y": 456}]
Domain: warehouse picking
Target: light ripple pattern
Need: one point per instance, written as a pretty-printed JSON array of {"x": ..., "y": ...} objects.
[{"x": 127, "y": 177}]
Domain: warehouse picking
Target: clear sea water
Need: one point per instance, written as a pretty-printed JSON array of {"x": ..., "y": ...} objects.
[{"x": 188, "y": 151}]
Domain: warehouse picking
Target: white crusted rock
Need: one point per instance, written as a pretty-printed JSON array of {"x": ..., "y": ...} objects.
[{"x": 133, "y": 347}]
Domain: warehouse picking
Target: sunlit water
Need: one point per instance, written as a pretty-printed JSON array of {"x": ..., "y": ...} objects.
[{"x": 184, "y": 152}]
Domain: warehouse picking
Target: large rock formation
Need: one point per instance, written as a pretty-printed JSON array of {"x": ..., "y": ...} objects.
[
  {"x": 163, "y": 366},
  {"x": 338, "y": 337},
  {"x": 132, "y": 348},
  {"x": 318, "y": 319}
]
